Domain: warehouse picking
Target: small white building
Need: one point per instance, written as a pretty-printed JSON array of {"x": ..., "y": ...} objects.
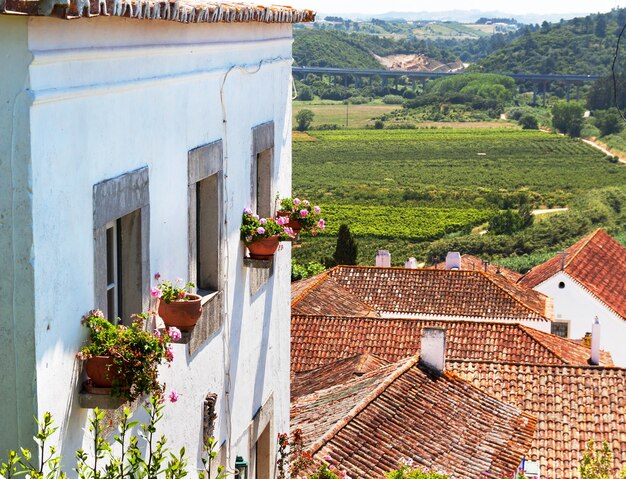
[
  {"x": 586, "y": 281},
  {"x": 131, "y": 139}
]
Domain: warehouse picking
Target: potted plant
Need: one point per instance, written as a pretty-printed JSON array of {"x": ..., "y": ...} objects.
[
  {"x": 123, "y": 361},
  {"x": 262, "y": 235},
  {"x": 302, "y": 215},
  {"x": 178, "y": 306}
]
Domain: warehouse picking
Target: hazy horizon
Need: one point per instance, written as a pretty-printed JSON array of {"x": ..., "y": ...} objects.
[{"x": 514, "y": 7}]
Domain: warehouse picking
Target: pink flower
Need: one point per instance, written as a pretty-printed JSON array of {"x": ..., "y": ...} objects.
[
  {"x": 282, "y": 220},
  {"x": 317, "y": 209},
  {"x": 321, "y": 224},
  {"x": 174, "y": 396},
  {"x": 247, "y": 211},
  {"x": 155, "y": 292},
  {"x": 327, "y": 458},
  {"x": 174, "y": 333},
  {"x": 296, "y": 201},
  {"x": 260, "y": 230},
  {"x": 303, "y": 213},
  {"x": 182, "y": 295},
  {"x": 263, "y": 221},
  {"x": 157, "y": 276},
  {"x": 157, "y": 333},
  {"x": 306, "y": 203},
  {"x": 256, "y": 217},
  {"x": 288, "y": 230}
]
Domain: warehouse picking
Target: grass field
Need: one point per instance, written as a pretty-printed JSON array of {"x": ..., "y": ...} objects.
[
  {"x": 402, "y": 188},
  {"x": 358, "y": 115}
]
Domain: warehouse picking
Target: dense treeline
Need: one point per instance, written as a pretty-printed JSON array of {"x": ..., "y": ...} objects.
[{"x": 583, "y": 45}]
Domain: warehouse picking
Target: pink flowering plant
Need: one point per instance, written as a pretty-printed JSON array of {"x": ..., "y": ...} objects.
[
  {"x": 254, "y": 228},
  {"x": 302, "y": 211},
  {"x": 136, "y": 353},
  {"x": 169, "y": 291}
]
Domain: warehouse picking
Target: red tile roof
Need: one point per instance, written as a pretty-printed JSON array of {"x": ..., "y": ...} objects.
[
  {"x": 339, "y": 372},
  {"x": 369, "y": 423},
  {"x": 320, "y": 340},
  {"x": 422, "y": 293},
  {"x": 572, "y": 405},
  {"x": 184, "y": 11},
  {"x": 474, "y": 263},
  {"x": 597, "y": 262}
]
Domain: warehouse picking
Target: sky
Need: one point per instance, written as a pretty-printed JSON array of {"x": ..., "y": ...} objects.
[{"x": 511, "y": 6}]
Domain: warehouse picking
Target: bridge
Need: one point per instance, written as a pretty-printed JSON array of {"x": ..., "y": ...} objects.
[{"x": 359, "y": 75}]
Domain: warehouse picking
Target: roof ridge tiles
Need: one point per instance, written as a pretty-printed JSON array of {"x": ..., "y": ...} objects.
[
  {"x": 323, "y": 276},
  {"x": 317, "y": 445},
  {"x": 587, "y": 367}
]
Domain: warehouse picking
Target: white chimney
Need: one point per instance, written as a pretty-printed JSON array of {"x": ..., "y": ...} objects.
[
  {"x": 411, "y": 263},
  {"x": 453, "y": 260},
  {"x": 595, "y": 343},
  {"x": 383, "y": 259},
  {"x": 433, "y": 349}
]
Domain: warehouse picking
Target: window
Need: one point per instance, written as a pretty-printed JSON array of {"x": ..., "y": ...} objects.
[
  {"x": 560, "y": 328},
  {"x": 205, "y": 179},
  {"x": 121, "y": 256},
  {"x": 263, "y": 169}
]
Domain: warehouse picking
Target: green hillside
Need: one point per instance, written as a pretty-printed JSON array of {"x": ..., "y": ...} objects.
[
  {"x": 583, "y": 45},
  {"x": 317, "y": 48}
]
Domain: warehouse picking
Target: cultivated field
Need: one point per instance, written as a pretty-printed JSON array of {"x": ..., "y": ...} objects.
[
  {"x": 419, "y": 185},
  {"x": 358, "y": 115}
]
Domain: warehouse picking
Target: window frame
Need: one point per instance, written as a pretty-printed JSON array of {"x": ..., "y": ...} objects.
[
  {"x": 202, "y": 163},
  {"x": 114, "y": 199},
  {"x": 561, "y": 323},
  {"x": 263, "y": 144}
]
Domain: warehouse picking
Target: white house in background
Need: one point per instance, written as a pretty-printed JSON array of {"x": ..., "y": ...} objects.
[
  {"x": 135, "y": 136},
  {"x": 586, "y": 281}
]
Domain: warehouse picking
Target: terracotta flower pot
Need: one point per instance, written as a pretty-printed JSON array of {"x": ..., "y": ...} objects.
[
  {"x": 295, "y": 225},
  {"x": 103, "y": 372},
  {"x": 182, "y": 314},
  {"x": 263, "y": 248}
]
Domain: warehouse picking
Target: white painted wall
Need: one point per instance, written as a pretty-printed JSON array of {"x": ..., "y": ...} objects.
[
  {"x": 112, "y": 95},
  {"x": 575, "y": 304}
]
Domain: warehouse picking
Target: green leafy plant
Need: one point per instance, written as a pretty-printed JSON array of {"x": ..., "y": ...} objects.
[
  {"x": 303, "y": 212},
  {"x": 406, "y": 470},
  {"x": 254, "y": 228},
  {"x": 208, "y": 459},
  {"x": 136, "y": 353},
  {"x": 596, "y": 462},
  {"x": 169, "y": 291}
]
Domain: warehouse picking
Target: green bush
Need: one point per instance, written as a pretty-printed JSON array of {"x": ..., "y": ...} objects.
[
  {"x": 528, "y": 122},
  {"x": 393, "y": 100}
]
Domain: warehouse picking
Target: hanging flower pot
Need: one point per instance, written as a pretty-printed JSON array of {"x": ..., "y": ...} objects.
[
  {"x": 103, "y": 372},
  {"x": 181, "y": 313},
  {"x": 263, "y": 248}
]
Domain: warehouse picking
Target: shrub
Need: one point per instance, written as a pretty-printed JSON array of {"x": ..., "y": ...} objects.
[
  {"x": 567, "y": 117},
  {"x": 393, "y": 100},
  {"x": 608, "y": 121},
  {"x": 379, "y": 125},
  {"x": 328, "y": 126},
  {"x": 358, "y": 100},
  {"x": 306, "y": 94},
  {"x": 304, "y": 118},
  {"x": 528, "y": 122}
]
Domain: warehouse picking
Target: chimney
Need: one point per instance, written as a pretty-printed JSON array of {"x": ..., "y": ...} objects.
[
  {"x": 453, "y": 260},
  {"x": 411, "y": 263},
  {"x": 595, "y": 343},
  {"x": 433, "y": 349},
  {"x": 383, "y": 259}
]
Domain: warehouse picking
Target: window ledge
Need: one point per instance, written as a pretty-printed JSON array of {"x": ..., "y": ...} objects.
[
  {"x": 90, "y": 399},
  {"x": 258, "y": 263}
]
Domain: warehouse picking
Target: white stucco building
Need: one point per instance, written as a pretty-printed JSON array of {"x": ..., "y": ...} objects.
[
  {"x": 587, "y": 281},
  {"x": 129, "y": 144}
]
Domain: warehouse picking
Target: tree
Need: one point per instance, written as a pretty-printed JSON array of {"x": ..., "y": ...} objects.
[
  {"x": 528, "y": 122},
  {"x": 608, "y": 121},
  {"x": 600, "y": 30},
  {"x": 304, "y": 119},
  {"x": 346, "y": 249},
  {"x": 567, "y": 117},
  {"x": 596, "y": 463}
]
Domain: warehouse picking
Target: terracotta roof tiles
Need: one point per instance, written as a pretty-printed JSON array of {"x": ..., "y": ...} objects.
[
  {"x": 369, "y": 423},
  {"x": 183, "y": 11},
  {"x": 573, "y": 404},
  {"x": 474, "y": 263},
  {"x": 321, "y": 340},
  {"x": 597, "y": 262},
  {"x": 427, "y": 293}
]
